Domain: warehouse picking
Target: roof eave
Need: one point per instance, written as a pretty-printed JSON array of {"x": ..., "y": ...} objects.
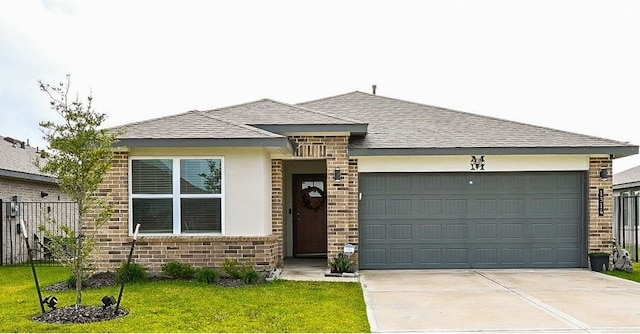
[
  {"x": 622, "y": 186},
  {"x": 27, "y": 176},
  {"x": 356, "y": 129},
  {"x": 278, "y": 142},
  {"x": 615, "y": 151}
]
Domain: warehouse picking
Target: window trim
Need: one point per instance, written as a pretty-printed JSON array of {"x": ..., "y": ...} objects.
[{"x": 176, "y": 195}]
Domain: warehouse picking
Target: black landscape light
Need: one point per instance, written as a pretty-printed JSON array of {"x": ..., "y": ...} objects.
[
  {"x": 108, "y": 301},
  {"x": 133, "y": 245},
  {"x": 50, "y": 301},
  {"x": 33, "y": 267}
]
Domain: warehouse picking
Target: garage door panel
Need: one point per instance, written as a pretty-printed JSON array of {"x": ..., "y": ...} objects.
[
  {"x": 430, "y": 232},
  {"x": 374, "y": 232},
  {"x": 429, "y": 207},
  {"x": 569, "y": 206},
  {"x": 511, "y": 206},
  {"x": 500, "y": 220},
  {"x": 400, "y": 232},
  {"x": 401, "y": 256},
  {"x": 399, "y": 207},
  {"x": 487, "y": 231}
]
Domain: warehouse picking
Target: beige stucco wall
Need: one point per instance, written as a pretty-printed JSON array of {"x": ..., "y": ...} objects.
[
  {"x": 461, "y": 163},
  {"x": 247, "y": 185}
]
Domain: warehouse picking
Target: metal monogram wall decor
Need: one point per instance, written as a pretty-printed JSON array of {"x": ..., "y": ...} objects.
[{"x": 477, "y": 163}]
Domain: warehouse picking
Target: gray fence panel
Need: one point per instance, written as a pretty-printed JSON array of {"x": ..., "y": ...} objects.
[
  {"x": 626, "y": 220},
  {"x": 52, "y": 215}
]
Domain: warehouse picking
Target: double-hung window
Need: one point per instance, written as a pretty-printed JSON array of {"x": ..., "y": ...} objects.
[{"x": 177, "y": 195}]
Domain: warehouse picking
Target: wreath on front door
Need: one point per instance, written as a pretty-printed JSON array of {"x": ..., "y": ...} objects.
[{"x": 309, "y": 202}]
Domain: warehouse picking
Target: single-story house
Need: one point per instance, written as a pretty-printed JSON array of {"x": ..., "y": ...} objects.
[
  {"x": 627, "y": 181},
  {"x": 24, "y": 193},
  {"x": 408, "y": 185}
]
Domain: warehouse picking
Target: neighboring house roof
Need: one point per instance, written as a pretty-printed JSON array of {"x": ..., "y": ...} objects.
[
  {"x": 402, "y": 127},
  {"x": 17, "y": 161},
  {"x": 377, "y": 125},
  {"x": 629, "y": 178}
]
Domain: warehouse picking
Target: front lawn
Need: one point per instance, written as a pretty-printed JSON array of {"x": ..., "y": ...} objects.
[
  {"x": 634, "y": 276},
  {"x": 281, "y": 306}
]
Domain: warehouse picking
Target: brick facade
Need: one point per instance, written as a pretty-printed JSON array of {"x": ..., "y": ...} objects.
[
  {"x": 266, "y": 252},
  {"x": 600, "y": 227},
  {"x": 342, "y": 195},
  {"x": 113, "y": 240},
  {"x": 29, "y": 191}
]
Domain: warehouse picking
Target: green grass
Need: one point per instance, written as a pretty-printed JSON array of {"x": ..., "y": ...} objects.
[
  {"x": 281, "y": 306},
  {"x": 634, "y": 276}
]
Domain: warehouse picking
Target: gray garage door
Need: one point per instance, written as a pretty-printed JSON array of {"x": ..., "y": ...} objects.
[{"x": 472, "y": 220}]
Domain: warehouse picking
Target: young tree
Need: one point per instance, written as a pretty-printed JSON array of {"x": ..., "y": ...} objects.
[{"x": 79, "y": 154}]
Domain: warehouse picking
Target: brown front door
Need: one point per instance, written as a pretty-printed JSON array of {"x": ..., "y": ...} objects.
[{"x": 310, "y": 215}]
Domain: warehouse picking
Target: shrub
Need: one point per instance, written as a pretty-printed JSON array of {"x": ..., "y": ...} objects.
[
  {"x": 131, "y": 272},
  {"x": 242, "y": 270},
  {"x": 232, "y": 268},
  {"x": 71, "y": 282},
  {"x": 176, "y": 269},
  {"x": 207, "y": 275},
  {"x": 249, "y": 275},
  {"x": 341, "y": 264}
]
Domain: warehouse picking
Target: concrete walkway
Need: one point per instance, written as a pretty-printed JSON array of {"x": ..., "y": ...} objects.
[
  {"x": 301, "y": 269},
  {"x": 504, "y": 301}
]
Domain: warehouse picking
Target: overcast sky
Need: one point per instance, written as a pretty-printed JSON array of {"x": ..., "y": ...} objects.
[{"x": 570, "y": 65}]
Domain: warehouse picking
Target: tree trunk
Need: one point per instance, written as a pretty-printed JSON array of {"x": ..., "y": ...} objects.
[{"x": 78, "y": 271}]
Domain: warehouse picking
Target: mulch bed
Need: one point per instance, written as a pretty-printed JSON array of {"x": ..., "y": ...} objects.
[
  {"x": 85, "y": 314},
  {"x": 79, "y": 315}
]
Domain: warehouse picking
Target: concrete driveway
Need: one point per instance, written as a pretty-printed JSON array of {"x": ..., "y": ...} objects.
[{"x": 564, "y": 301}]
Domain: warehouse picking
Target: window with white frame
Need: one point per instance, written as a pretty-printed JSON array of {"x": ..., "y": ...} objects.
[{"x": 177, "y": 195}]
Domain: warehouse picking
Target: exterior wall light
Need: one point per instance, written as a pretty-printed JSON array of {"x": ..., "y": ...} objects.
[
  {"x": 604, "y": 174},
  {"x": 336, "y": 174}
]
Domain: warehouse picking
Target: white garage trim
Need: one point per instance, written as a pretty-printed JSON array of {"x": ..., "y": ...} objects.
[{"x": 461, "y": 163}]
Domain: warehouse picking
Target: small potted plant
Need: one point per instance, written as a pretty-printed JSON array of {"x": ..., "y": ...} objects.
[{"x": 599, "y": 261}]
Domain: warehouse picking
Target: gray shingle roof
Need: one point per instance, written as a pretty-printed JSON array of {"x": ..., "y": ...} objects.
[
  {"x": 397, "y": 124},
  {"x": 627, "y": 178},
  {"x": 391, "y": 126},
  {"x": 18, "y": 162},
  {"x": 268, "y": 111},
  {"x": 190, "y": 125}
]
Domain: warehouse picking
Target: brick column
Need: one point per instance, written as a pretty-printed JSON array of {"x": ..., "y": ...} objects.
[
  {"x": 600, "y": 227},
  {"x": 342, "y": 197},
  {"x": 111, "y": 239},
  {"x": 277, "y": 209},
  {"x": 353, "y": 202}
]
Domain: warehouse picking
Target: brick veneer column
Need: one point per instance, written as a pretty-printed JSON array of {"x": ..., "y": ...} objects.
[
  {"x": 342, "y": 195},
  {"x": 600, "y": 227},
  {"x": 277, "y": 208},
  {"x": 353, "y": 202},
  {"x": 112, "y": 237}
]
